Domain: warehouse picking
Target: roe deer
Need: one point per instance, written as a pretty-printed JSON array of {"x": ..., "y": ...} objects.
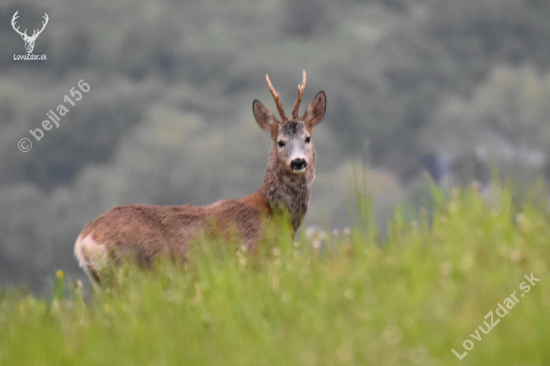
[{"x": 143, "y": 231}]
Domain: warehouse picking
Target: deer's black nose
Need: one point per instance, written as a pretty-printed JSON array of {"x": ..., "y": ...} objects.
[{"x": 298, "y": 165}]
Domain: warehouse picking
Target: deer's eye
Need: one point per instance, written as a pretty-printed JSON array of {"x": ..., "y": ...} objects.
[
  {"x": 281, "y": 143},
  {"x": 308, "y": 140}
]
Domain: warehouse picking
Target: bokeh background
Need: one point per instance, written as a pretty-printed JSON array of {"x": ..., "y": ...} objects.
[{"x": 448, "y": 87}]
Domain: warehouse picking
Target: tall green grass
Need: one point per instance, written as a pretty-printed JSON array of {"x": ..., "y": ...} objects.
[{"x": 324, "y": 300}]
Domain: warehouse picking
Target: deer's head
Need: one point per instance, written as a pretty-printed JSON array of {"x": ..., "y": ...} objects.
[
  {"x": 292, "y": 137},
  {"x": 29, "y": 40}
]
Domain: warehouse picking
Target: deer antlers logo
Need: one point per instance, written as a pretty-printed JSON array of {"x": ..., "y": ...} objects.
[{"x": 29, "y": 40}]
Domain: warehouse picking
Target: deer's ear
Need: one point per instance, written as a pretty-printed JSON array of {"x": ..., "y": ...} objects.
[
  {"x": 265, "y": 119},
  {"x": 316, "y": 110}
]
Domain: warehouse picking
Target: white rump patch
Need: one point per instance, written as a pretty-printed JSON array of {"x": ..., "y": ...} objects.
[{"x": 92, "y": 256}]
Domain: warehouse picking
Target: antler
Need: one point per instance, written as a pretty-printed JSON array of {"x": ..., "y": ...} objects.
[
  {"x": 299, "y": 99},
  {"x": 301, "y": 88},
  {"x": 276, "y": 98},
  {"x": 35, "y": 34},
  {"x": 15, "y": 16}
]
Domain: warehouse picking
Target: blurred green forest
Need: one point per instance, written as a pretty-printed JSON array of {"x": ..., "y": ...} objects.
[{"x": 168, "y": 116}]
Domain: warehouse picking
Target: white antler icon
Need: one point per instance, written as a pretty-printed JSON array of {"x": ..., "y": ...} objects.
[{"x": 29, "y": 41}]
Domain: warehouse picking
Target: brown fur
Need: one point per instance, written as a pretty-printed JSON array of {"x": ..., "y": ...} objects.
[{"x": 143, "y": 231}]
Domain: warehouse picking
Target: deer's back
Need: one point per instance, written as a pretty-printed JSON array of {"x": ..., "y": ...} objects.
[{"x": 143, "y": 231}]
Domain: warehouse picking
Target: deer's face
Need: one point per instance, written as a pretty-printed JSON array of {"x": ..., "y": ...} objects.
[
  {"x": 29, "y": 43},
  {"x": 292, "y": 137},
  {"x": 294, "y": 147}
]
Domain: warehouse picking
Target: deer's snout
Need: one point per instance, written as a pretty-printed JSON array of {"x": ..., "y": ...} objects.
[{"x": 298, "y": 165}]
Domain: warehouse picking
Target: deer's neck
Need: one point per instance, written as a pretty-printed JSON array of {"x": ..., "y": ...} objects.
[{"x": 286, "y": 191}]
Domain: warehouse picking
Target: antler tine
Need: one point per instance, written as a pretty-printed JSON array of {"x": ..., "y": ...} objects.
[
  {"x": 46, "y": 18},
  {"x": 14, "y": 18},
  {"x": 276, "y": 98},
  {"x": 299, "y": 99},
  {"x": 13, "y": 21}
]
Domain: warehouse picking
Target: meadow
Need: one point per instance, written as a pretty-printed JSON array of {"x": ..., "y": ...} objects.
[{"x": 433, "y": 285}]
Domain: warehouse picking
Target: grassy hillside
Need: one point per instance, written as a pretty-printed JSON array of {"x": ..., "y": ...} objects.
[{"x": 343, "y": 299}]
